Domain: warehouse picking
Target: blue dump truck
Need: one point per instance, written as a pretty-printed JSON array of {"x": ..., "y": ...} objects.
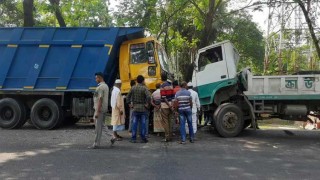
[{"x": 47, "y": 74}]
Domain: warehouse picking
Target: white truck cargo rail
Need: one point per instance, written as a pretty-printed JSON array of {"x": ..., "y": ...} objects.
[{"x": 286, "y": 87}]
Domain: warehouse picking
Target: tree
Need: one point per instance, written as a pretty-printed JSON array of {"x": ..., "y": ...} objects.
[
  {"x": 11, "y": 13},
  {"x": 208, "y": 32},
  {"x": 305, "y": 11},
  {"x": 56, "y": 8},
  {"x": 247, "y": 38},
  {"x": 28, "y": 13},
  {"x": 183, "y": 26},
  {"x": 89, "y": 13}
]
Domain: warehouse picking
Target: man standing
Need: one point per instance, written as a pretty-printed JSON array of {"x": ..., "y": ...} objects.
[
  {"x": 132, "y": 83},
  {"x": 138, "y": 98},
  {"x": 167, "y": 95},
  {"x": 118, "y": 113},
  {"x": 100, "y": 99},
  {"x": 156, "y": 103},
  {"x": 195, "y": 107},
  {"x": 183, "y": 101}
]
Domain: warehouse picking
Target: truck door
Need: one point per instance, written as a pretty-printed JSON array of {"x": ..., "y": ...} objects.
[{"x": 211, "y": 67}]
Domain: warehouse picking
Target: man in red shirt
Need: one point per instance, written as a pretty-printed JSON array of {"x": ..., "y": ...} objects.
[{"x": 167, "y": 95}]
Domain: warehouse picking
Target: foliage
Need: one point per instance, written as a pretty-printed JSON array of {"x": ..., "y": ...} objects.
[
  {"x": 90, "y": 13},
  {"x": 11, "y": 13},
  {"x": 184, "y": 26},
  {"x": 247, "y": 38}
]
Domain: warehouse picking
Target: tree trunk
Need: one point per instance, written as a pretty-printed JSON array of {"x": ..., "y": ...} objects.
[
  {"x": 310, "y": 26},
  {"x": 207, "y": 33},
  {"x": 57, "y": 11},
  {"x": 28, "y": 20}
]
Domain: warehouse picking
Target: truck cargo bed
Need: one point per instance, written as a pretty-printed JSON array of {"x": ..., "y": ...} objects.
[
  {"x": 59, "y": 59},
  {"x": 288, "y": 87}
]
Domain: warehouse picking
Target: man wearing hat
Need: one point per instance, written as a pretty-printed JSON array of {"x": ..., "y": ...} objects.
[
  {"x": 118, "y": 113},
  {"x": 195, "y": 107}
]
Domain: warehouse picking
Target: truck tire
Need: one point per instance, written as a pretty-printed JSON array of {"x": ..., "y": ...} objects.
[
  {"x": 46, "y": 114},
  {"x": 12, "y": 113},
  {"x": 228, "y": 120}
]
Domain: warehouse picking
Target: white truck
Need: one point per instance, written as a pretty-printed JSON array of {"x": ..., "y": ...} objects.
[{"x": 239, "y": 99}]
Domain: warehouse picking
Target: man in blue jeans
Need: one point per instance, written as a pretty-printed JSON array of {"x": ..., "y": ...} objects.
[
  {"x": 138, "y": 99},
  {"x": 183, "y": 102}
]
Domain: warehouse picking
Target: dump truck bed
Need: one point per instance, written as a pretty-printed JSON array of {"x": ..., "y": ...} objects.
[
  {"x": 60, "y": 59},
  {"x": 288, "y": 87}
]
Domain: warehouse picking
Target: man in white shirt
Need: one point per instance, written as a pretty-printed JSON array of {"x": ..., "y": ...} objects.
[
  {"x": 195, "y": 107},
  {"x": 118, "y": 114}
]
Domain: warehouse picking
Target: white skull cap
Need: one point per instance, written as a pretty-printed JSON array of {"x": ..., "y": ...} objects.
[
  {"x": 118, "y": 81},
  {"x": 189, "y": 84}
]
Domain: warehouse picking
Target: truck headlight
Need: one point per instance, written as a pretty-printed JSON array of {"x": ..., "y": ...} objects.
[{"x": 152, "y": 70}]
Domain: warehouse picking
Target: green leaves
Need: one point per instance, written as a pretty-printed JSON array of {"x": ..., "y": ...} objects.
[
  {"x": 184, "y": 26},
  {"x": 89, "y": 13}
]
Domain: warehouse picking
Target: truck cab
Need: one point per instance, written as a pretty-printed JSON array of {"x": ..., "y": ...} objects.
[
  {"x": 236, "y": 100},
  {"x": 144, "y": 56},
  {"x": 216, "y": 69}
]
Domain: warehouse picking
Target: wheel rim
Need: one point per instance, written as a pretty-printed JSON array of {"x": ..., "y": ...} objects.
[
  {"x": 7, "y": 113},
  {"x": 45, "y": 113},
  {"x": 230, "y": 120}
]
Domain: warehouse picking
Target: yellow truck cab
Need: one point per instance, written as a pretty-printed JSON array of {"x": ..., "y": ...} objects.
[{"x": 144, "y": 56}]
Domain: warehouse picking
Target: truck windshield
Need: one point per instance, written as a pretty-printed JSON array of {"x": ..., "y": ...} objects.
[
  {"x": 163, "y": 58},
  {"x": 138, "y": 53},
  {"x": 209, "y": 56}
]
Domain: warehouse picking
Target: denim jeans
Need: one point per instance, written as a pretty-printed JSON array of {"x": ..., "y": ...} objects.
[
  {"x": 139, "y": 117},
  {"x": 186, "y": 115}
]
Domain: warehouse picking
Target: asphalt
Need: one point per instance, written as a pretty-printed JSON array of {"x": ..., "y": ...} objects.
[{"x": 28, "y": 153}]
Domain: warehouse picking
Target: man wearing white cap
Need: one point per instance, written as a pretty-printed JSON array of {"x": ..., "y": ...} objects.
[
  {"x": 118, "y": 114},
  {"x": 195, "y": 107}
]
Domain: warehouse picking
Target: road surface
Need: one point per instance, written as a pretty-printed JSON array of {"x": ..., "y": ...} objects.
[{"x": 28, "y": 153}]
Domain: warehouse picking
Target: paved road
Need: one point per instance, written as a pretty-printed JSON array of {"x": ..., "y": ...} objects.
[{"x": 62, "y": 154}]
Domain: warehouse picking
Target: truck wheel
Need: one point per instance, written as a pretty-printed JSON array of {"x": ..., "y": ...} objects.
[
  {"x": 46, "y": 114},
  {"x": 229, "y": 120},
  {"x": 12, "y": 113}
]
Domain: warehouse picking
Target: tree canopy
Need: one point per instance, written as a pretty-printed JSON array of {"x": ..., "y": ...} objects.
[{"x": 183, "y": 26}]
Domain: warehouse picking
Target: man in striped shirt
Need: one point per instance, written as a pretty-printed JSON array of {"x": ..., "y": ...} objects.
[{"x": 183, "y": 101}]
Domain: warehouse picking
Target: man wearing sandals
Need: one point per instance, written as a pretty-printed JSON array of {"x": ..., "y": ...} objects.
[
  {"x": 100, "y": 99},
  {"x": 118, "y": 113}
]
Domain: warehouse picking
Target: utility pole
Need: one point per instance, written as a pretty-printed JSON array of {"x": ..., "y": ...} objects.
[
  {"x": 280, "y": 41},
  {"x": 267, "y": 45}
]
